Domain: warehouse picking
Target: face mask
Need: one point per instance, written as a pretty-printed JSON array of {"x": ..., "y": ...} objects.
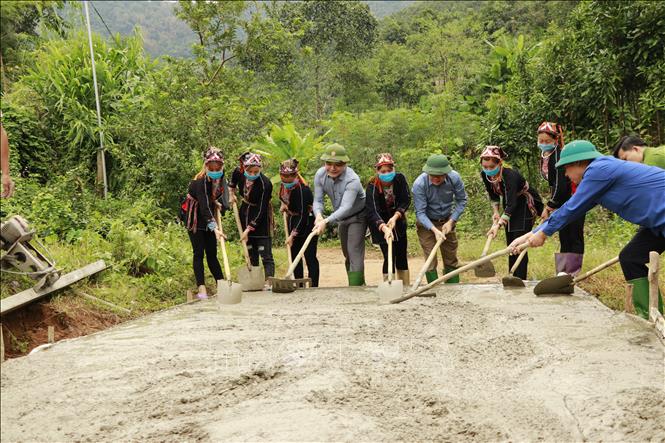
[
  {"x": 215, "y": 175},
  {"x": 545, "y": 147},
  {"x": 387, "y": 177},
  {"x": 492, "y": 172},
  {"x": 251, "y": 177},
  {"x": 290, "y": 185}
]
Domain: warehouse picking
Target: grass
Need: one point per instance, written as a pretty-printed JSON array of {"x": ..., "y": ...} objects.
[{"x": 170, "y": 250}]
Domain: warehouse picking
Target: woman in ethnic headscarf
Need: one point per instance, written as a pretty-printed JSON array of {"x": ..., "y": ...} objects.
[
  {"x": 550, "y": 144},
  {"x": 207, "y": 193},
  {"x": 296, "y": 200},
  {"x": 387, "y": 201},
  {"x": 521, "y": 204},
  {"x": 256, "y": 213}
]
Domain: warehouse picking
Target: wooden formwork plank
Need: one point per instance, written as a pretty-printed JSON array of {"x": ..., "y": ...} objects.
[{"x": 28, "y": 296}]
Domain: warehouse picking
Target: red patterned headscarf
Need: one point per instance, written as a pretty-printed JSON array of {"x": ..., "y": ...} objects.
[
  {"x": 213, "y": 154},
  {"x": 288, "y": 167},
  {"x": 252, "y": 160},
  {"x": 384, "y": 159},
  {"x": 492, "y": 151}
]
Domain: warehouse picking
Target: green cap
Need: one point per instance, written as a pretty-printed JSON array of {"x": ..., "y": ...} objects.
[
  {"x": 437, "y": 164},
  {"x": 335, "y": 153},
  {"x": 577, "y": 150}
]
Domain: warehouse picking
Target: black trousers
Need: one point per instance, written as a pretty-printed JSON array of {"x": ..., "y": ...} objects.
[
  {"x": 205, "y": 243},
  {"x": 400, "y": 260},
  {"x": 309, "y": 258},
  {"x": 571, "y": 237},
  {"x": 261, "y": 246},
  {"x": 522, "y": 268},
  {"x": 634, "y": 256}
]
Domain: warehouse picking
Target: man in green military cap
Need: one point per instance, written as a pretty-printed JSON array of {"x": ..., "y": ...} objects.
[
  {"x": 347, "y": 195},
  {"x": 439, "y": 199},
  {"x": 631, "y": 190}
]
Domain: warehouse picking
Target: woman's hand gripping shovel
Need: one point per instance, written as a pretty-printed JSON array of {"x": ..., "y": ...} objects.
[
  {"x": 228, "y": 293},
  {"x": 252, "y": 278},
  {"x": 391, "y": 289}
]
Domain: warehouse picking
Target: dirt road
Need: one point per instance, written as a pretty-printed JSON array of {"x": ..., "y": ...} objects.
[{"x": 474, "y": 363}]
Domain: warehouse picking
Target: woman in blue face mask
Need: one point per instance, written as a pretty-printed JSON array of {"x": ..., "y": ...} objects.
[
  {"x": 296, "y": 201},
  {"x": 256, "y": 214},
  {"x": 521, "y": 204},
  {"x": 207, "y": 193},
  {"x": 387, "y": 200},
  {"x": 550, "y": 144}
]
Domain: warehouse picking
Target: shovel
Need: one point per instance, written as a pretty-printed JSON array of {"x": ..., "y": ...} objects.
[
  {"x": 457, "y": 271},
  {"x": 565, "y": 284},
  {"x": 511, "y": 280},
  {"x": 252, "y": 278},
  {"x": 286, "y": 237},
  {"x": 288, "y": 283},
  {"x": 486, "y": 269},
  {"x": 228, "y": 293},
  {"x": 428, "y": 262},
  {"x": 389, "y": 290}
]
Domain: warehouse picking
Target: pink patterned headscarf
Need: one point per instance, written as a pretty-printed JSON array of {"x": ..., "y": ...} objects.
[
  {"x": 493, "y": 152},
  {"x": 252, "y": 160}
]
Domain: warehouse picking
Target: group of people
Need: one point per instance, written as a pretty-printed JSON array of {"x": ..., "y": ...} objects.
[{"x": 579, "y": 177}]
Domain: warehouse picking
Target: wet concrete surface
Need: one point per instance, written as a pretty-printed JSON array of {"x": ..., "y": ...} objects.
[{"x": 477, "y": 362}]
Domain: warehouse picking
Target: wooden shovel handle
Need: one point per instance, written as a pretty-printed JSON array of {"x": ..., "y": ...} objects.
[
  {"x": 519, "y": 260},
  {"x": 487, "y": 246},
  {"x": 286, "y": 237},
  {"x": 225, "y": 257},
  {"x": 457, "y": 271},
  {"x": 598, "y": 268},
  {"x": 236, "y": 215},
  {"x": 390, "y": 259},
  {"x": 300, "y": 254},
  {"x": 428, "y": 262}
]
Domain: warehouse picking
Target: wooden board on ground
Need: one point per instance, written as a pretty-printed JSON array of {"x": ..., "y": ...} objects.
[{"x": 28, "y": 296}]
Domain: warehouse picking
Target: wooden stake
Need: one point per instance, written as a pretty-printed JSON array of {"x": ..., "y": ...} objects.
[
  {"x": 190, "y": 296},
  {"x": 628, "y": 299},
  {"x": 654, "y": 259},
  {"x": 2, "y": 345},
  {"x": 51, "y": 334}
]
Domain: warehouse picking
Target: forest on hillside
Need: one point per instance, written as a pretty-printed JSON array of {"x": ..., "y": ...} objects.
[{"x": 445, "y": 77}]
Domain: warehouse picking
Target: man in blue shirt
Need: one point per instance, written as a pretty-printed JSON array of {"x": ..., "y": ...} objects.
[
  {"x": 439, "y": 199},
  {"x": 347, "y": 195},
  {"x": 634, "y": 191}
]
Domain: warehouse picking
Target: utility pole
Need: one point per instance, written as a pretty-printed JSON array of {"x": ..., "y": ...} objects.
[{"x": 101, "y": 161}]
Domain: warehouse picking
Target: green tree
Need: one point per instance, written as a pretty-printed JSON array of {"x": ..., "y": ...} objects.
[{"x": 216, "y": 26}]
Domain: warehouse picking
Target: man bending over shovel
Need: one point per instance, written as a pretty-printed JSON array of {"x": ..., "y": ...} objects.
[
  {"x": 632, "y": 190},
  {"x": 439, "y": 198},
  {"x": 339, "y": 182}
]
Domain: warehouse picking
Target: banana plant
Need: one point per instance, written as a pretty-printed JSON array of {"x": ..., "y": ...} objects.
[{"x": 285, "y": 142}]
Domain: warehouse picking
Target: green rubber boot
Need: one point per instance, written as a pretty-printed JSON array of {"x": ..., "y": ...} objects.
[
  {"x": 454, "y": 279},
  {"x": 356, "y": 278},
  {"x": 431, "y": 275},
  {"x": 641, "y": 297}
]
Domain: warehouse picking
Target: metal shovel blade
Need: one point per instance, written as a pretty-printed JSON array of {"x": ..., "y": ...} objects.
[
  {"x": 389, "y": 290},
  {"x": 562, "y": 284},
  {"x": 251, "y": 278},
  {"x": 485, "y": 270},
  {"x": 228, "y": 293},
  {"x": 512, "y": 281}
]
